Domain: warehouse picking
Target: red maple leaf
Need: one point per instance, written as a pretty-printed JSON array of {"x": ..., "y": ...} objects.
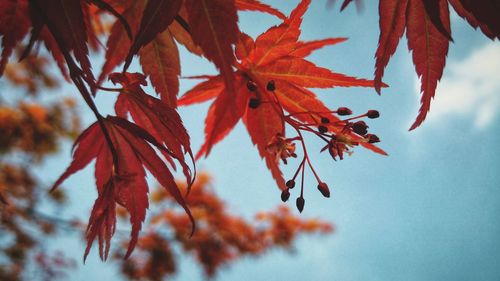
[
  {"x": 120, "y": 174},
  {"x": 271, "y": 81},
  {"x": 121, "y": 181},
  {"x": 427, "y": 25}
]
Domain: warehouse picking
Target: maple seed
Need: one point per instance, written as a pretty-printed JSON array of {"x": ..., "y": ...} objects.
[
  {"x": 290, "y": 184},
  {"x": 323, "y": 188},
  {"x": 251, "y": 86},
  {"x": 344, "y": 111},
  {"x": 325, "y": 120},
  {"x": 372, "y": 114},
  {"x": 254, "y": 103},
  {"x": 360, "y": 128},
  {"x": 285, "y": 194},
  {"x": 300, "y": 203},
  {"x": 372, "y": 138},
  {"x": 271, "y": 86},
  {"x": 322, "y": 129}
]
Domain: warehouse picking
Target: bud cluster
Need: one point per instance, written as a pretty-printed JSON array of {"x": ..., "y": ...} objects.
[{"x": 338, "y": 134}]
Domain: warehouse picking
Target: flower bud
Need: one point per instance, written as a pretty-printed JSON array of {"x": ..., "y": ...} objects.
[
  {"x": 372, "y": 114},
  {"x": 325, "y": 120},
  {"x": 251, "y": 86},
  {"x": 372, "y": 138},
  {"x": 300, "y": 203},
  {"x": 322, "y": 129},
  {"x": 285, "y": 194},
  {"x": 254, "y": 103},
  {"x": 290, "y": 184},
  {"x": 344, "y": 111},
  {"x": 323, "y": 188},
  {"x": 360, "y": 128},
  {"x": 271, "y": 86}
]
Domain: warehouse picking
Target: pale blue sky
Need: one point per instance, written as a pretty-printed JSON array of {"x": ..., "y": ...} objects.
[{"x": 428, "y": 211}]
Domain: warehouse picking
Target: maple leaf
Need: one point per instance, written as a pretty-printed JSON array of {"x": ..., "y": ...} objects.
[
  {"x": 118, "y": 42},
  {"x": 160, "y": 60},
  {"x": 272, "y": 78},
  {"x": 158, "y": 52},
  {"x": 122, "y": 181},
  {"x": 427, "y": 40},
  {"x": 157, "y": 16},
  {"x": 482, "y": 14},
  {"x": 254, "y": 5},
  {"x": 427, "y": 25},
  {"x": 155, "y": 116},
  {"x": 429, "y": 48},
  {"x": 213, "y": 26}
]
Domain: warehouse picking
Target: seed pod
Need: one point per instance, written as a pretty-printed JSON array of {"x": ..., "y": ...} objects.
[
  {"x": 271, "y": 86},
  {"x": 372, "y": 138},
  {"x": 344, "y": 111},
  {"x": 323, "y": 188},
  {"x": 372, "y": 114},
  {"x": 251, "y": 86},
  {"x": 322, "y": 129},
  {"x": 360, "y": 128},
  {"x": 290, "y": 184},
  {"x": 300, "y": 203},
  {"x": 285, "y": 194},
  {"x": 254, "y": 103}
]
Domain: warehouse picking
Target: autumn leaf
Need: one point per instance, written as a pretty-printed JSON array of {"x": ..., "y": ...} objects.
[
  {"x": 429, "y": 48},
  {"x": 157, "y": 16},
  {"x": 213, "y": 26},
  {"x": 392, "y": 26},
  {"x": 272, "y": 78},
  {"x": 118, "y": 42},
  {"x": 427, "y": 25},
  {"x": 254, "y": 5},
  {"x": 262, "y": 124},
  {"x": 120, "y": 182},
  {"x": 158, "y": 52},
  {"x": 160, "y": 60},
  {"x": 223, "y": 115},
  {"x": 482, "y": 14},
  {"x": 155, "y": 116}
]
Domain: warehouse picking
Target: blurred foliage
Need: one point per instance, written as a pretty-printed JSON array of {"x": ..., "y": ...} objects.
[{"x": 221, "y": 237}]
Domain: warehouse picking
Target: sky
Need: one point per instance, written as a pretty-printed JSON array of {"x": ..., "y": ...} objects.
[{"x": 428, "y": 211}]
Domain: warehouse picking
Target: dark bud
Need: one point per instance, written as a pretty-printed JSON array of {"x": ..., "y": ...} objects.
[
  {"x": 360, "y": 128},
  {"x": 285, "y": 194},
  {"x": 344, "y": 111},
  {"x": 251, "y": 86},
  {"x": 372, "y": 138},
  {"x": 322, "y": 129},
  {"x": 254, "y": 103},
  {"x": 290, "y": 184},
  {"x": 271, "y": 86},
  {"x": 323, "y": 188},
  {"x": 372, "y": 114},
  {"x": 325, "y": 120},
  {"x": 300, "y": 203}
]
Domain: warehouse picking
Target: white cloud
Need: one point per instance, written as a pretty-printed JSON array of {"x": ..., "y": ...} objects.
[{"x": 470, "y": 88}]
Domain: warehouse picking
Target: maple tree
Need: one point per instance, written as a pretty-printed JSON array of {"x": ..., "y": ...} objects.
[
  {"x": 265, "y": 82},
  {"x": 32, "y": 131}
]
